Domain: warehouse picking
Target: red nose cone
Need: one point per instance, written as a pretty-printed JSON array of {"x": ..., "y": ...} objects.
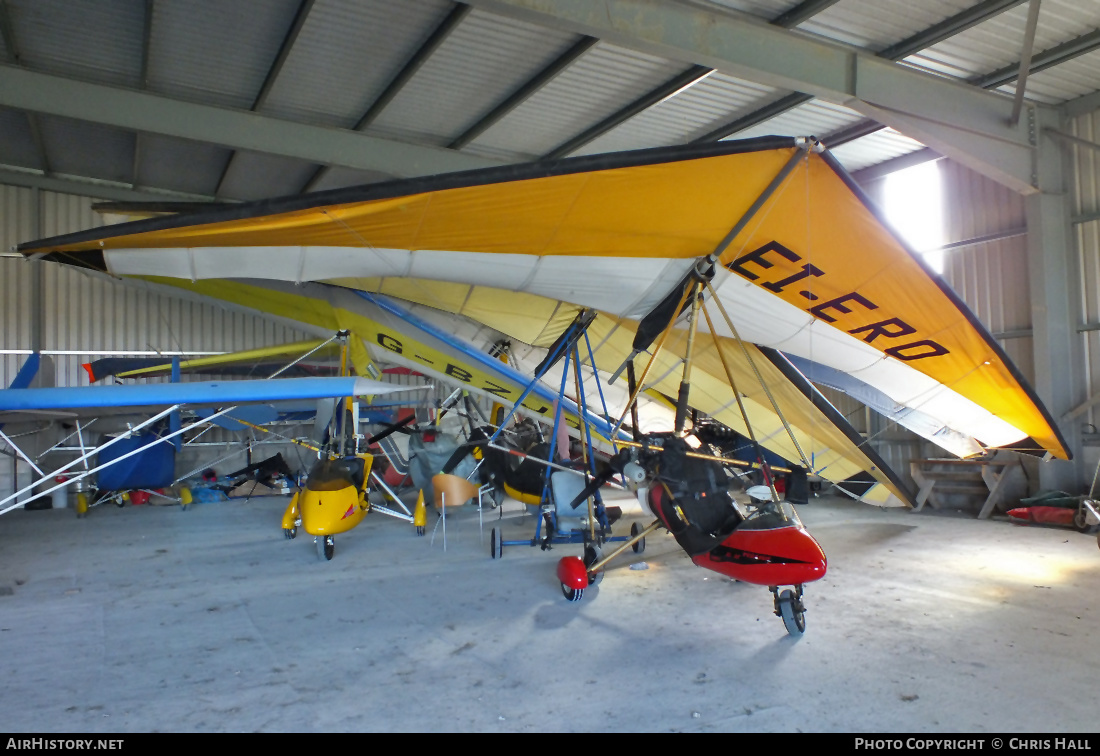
[{"x": 779, "y": 556}]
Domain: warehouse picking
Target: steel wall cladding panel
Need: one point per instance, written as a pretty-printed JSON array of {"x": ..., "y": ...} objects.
[
  {"x": 604, "y": 80},
  {"x": 216, "y": 52},
  {"x": 991, "y": 277},
  {"x": 94, "y": 314},
  {"x": 477, "y": 67},
  {"x": 1086, "y": 176},
  {"x": 99, "y": 41},
  {"x": 345, "y": 56}
]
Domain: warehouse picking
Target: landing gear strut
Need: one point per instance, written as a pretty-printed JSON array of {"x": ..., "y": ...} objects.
[{"x": 790, "y": 609}]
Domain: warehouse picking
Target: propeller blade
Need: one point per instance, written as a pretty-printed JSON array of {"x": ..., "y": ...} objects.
[{"x": 393, "y": 427}]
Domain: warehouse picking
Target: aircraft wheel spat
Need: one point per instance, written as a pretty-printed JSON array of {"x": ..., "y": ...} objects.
[
  {"x": 420, "y": 515},
  {"x": 185, "y": 497},
  {"x": 81, "y": 504},
  {"x": 573, "y": 574}
]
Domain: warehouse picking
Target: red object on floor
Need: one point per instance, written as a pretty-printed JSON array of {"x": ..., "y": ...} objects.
[
  {"x": 139, "y": 497},
  {"x": 1046, "y": 515}
]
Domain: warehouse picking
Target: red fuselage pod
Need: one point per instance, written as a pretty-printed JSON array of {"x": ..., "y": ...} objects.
[{"x": 773, "y": 556}]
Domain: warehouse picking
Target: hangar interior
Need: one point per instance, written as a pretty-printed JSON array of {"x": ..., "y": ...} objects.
[{"x": 145, "y": 108}]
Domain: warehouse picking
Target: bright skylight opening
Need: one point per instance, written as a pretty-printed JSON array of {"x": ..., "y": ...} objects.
[{"x": 913, "y": 200}]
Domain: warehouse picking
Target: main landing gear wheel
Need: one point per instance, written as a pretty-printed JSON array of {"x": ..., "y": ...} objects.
[
  {"x": 496, "y": 544},
  {"x": 326, "y": 547},
  {"x": 573, "y": 594},
  {"x": 790, "y": 609},
  {"x": 639, "y": 547},
  {"x": 421, "y": 530},
  {"x": 1080, "y": 522},
  {"x": 592, "y": 555},
  {"x": 290, "y": 533}
]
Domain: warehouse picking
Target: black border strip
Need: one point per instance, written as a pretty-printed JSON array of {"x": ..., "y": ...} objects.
[
  {"x": 791, "y": 373},
  {"x": 420, "y": 185},
  {"x": 844, "y": 176}
]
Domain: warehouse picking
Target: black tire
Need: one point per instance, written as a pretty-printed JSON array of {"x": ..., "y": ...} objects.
[
  {"x": 794, "y": 618},
  {"x": 421, "y": 530},
  {"x": 496, "y": 545},
  {"x": 290, "y": 533},
  {"x": 592, "y": 554},
  {"x": 326, "y": 547},
  {"x": 572, "y": 594},
  {"x": 1080, "y": 521},
  {"x": 639, "y": 547}
]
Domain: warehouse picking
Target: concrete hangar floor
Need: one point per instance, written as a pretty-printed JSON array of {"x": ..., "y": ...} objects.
[{"x": 155, "y": 619}]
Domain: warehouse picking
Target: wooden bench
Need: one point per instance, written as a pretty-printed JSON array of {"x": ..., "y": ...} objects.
[{"x": 981, "y": 480}]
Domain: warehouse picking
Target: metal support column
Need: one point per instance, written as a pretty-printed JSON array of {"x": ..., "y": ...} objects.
[{"x": 1055, "y": 294}]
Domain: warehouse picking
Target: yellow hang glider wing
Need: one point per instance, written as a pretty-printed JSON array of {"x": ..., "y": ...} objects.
[{"x": 801, "y": 262}]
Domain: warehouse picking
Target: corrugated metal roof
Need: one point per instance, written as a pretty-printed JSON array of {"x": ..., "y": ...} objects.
[
  {"x": 98, "y": 41},
  {"x": 215, "y": 52},
  {"x": 17, "y": 146},
  {"x": 482, "y": 62},
  {"x": 718, "y": 99},
  {"x": 600, "y": 82},
  {"x": 179, "y": 165},
  {"x": 347, "y": 53},
  {"x": 67, "y": 142}
]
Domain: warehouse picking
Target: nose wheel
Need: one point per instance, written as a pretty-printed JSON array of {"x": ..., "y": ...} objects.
[
  {"x": 326, "y": 547},
  {"x": 790, "y": 609}
]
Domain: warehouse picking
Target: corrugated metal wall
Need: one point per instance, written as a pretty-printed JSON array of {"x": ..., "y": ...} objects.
[
  {"x": 991, "y": 277},
  {"x": 87, "y": 316}
]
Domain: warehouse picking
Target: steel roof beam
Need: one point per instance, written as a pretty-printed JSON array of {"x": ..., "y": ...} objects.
[
  {"x": 89, "y": 188},
  {"x": 679, "y": 83},
  {"x": 412, "y": 65},
  {"x": 272, "y": 74},
  {"x": 925, "y": 39},
  {"x": 541, "y": 79},
  {"x": 238, "y": 129},
  {"x": 801, "y": 12},
  {"x": 1025, "y": 60},
  {"x": 143, "y": 83},
  {"x": 964, "y": 122}
]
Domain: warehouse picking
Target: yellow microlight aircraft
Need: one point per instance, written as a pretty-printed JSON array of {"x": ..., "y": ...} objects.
[{"x": 333, "y": 501}]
